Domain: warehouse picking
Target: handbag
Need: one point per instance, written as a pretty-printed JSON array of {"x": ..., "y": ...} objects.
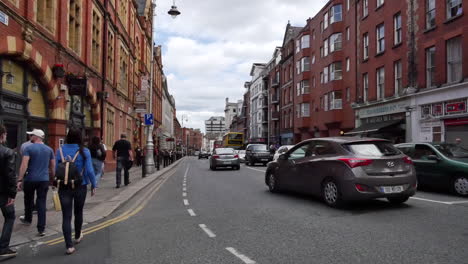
[
  {"x": 56, "y": 199},
  {"x": 129, "y": 164}
]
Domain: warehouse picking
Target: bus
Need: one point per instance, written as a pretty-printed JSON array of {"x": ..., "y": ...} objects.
[{"x": 233, "y": 140}]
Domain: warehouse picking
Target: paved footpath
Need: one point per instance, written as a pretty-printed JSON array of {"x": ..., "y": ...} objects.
[{"x": 107, "y": 200}]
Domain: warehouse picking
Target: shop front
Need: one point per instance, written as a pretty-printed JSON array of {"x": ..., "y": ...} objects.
[
  {"x": 441, "y": 115},
  {"x": 387, "y": 120},
  {"x": 23, "y": 104}
]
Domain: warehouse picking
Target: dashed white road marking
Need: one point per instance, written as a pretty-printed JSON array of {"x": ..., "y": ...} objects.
[
  {"x": 458, "y": 202},
  {"x": 186, "y": 171},
  {"x": 255, "y": 169},
  {"x": 242, "y": 257},
  {"x": 184, "y": 194},
  {"x": 186, "y": 202},
  {"x": 184, "y": 189},
  {"x": 191, "y": 212},
  {"x": 207, "y": 231}
]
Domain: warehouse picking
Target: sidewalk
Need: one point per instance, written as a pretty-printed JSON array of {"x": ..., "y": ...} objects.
[{"x": 106, "y": 201}]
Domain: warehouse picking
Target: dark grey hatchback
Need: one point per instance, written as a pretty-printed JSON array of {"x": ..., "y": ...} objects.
[{"x": 344, "y": 169}]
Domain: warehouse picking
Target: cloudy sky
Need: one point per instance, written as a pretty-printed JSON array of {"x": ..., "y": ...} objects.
[{"x": 209, "y": 49}]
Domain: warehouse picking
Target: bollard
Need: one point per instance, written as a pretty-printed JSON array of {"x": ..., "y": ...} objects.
[{"x": 143, "y": 167}]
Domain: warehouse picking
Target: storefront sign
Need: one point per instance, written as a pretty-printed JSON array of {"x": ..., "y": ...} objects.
[
  {"x": 140, "y": 108},
  {"x": 140, "y": 98},
  {"x": 3, "y": 18},
  {"x": 77, "y": 85},
  {"x": 12, "y": 106},
  {"x": 384, "y": 109},
  {"x": 455, "y": 107},
  {"x": 144, "y": 84}
]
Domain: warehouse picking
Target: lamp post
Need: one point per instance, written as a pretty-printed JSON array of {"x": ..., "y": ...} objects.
[
  {"x": 184, "y": 117},
  {"x": 149, "y": 158}
]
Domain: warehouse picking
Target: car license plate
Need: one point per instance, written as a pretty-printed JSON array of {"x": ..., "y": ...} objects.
[
  {"x": 226, "y": 162},
  {"x": 391, "y": 189},
  {"x": 264, "y": 159}
]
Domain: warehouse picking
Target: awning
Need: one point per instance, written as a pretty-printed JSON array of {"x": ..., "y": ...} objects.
[{"x": 374, "y": 127}]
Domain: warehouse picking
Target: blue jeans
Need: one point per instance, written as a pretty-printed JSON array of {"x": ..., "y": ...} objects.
[
  {"x": 97, "y": 165},
  {"x": 121, "y": 164},
  {"x": 9, "y": 215},
  {"x": 40, "y": 188},
  {"x": 72, "y": 199}
]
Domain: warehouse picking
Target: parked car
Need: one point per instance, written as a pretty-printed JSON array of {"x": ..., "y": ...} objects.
[
  {"x": 439, "y": 165},
  {"x": 197, "y": 153},
  {"x": 344, "y": 169},
  {"x": 282, "y": 150},
  {"x": 203, "y": 155},
  {"x": 241, "y": 154},
  {"x": 224, "y": 157},
  {"x": 257, "y": 153}
]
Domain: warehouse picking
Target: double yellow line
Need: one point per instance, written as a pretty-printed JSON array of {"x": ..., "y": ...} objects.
[{"x": 124, "y": 216}]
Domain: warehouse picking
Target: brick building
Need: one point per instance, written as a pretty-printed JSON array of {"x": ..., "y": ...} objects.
[{"x": 104, "y": 49}]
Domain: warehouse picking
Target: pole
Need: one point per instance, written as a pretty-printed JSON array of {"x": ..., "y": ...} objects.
[{"x": 149, "y": 157}]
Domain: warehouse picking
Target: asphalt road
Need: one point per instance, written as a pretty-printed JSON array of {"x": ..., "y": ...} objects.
[{"x": 228, "y": 216}]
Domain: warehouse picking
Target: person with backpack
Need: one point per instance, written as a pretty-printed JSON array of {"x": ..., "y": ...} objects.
[
  {"x": 73, "y": 174},
  {"x": 98, "y": 155},
  {"x": 7, "y": 195},
  {"x": 39, "y": 161}
]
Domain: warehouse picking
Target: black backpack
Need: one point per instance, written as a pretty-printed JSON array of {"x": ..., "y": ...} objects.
[{"x": 67, "y": 174}]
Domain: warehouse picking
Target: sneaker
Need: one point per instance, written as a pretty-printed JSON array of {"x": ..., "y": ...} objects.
[
  {"x": 117, "y": 187},
  {"x": 78, "y": 240},
  {"x": 9, "y": 252},
  {"x": 23, "y": 220},
  {"x": 70, "y": 251},
  {"x": 41, "y": 234}
]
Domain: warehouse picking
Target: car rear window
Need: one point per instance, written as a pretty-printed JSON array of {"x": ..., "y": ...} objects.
[
  {"x": 259, "y": 147},
  {"x": 372, "y": 148},
  {"x": 225, "y": 151}
]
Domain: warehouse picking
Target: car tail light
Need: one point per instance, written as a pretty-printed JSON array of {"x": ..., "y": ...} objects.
[
  {"x": 361, "y": 187},
  {"x": 215, "y": 156},
  {"x": 356, "y": 162},
  {"x": 408, "y": 160},
  {"x": 236, "y": 156}
]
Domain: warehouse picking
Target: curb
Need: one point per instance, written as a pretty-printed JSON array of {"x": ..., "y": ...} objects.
[{"x": 108, "y": 207}]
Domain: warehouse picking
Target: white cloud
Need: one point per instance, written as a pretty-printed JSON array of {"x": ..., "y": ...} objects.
[{"x": 210, "y": 47}]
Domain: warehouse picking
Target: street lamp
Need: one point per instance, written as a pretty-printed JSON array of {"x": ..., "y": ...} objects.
[
  {"x": 173, "y": 11},
  {"x": 149, "y": 158}
]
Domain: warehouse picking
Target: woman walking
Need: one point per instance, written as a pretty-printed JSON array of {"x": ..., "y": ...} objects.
[
  {"x": 98, "y": 155},
  {"x": 72, "y": 198}
]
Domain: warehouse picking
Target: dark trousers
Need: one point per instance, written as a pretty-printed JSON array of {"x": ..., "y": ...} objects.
[
  {"x": 9, "y": 215},
  {"x": 40, "y": 188},
  {"x": 72, "y": 199},
  {"x": 122, "y": 164}
]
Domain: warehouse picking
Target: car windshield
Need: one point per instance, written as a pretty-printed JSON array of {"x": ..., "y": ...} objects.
[
  {"x": 372, "y": 148},
  {"x": 225, "y": 151},
  {"x": 259, "y": 147},
  {"x": 452, "y": 150},
  {"x": 241, "y": 151}
]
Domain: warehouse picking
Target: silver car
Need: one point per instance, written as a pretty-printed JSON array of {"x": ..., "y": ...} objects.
[
  {"x": 344, "y": 168},
  {"x": 224, "y": 157}
]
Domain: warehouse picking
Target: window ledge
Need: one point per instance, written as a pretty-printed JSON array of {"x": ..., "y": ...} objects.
[
  {"x": 449, "y": 20},
  {"x": 429, "y": 29},
  {"x": 397, "y": 45},
  {"x": 364, "y": 17},
  {"x": 379, "y": 7},
  {"x": 380, "y": 53},
  {"x": 365, "y": 60}
]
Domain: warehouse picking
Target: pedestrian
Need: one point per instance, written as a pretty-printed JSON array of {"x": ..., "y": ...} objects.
[
  {"x": 7, "y": 195},
  {"x": 122, "y": 151},
  {"x": 98, "y": 156},
  {"x": 39, "y": 161},
  {"x": 22, "y": 148},
  {"x": 138, "y": 155},
  {"x": 72, "y": 198}
]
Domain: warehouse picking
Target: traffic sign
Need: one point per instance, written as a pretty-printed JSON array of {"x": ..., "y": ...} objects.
[{"x": 149, "y": 119}]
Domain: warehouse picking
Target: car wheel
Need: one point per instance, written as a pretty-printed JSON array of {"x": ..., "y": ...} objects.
[
  {"x": 398, "y": 200},
  {"x": 264, "y": 164},
  {"x": 238, "y": 167},
  {"x": 331, "y": 193},
  {"x": 460, "y": 185},
  {"x": 272, "y": 183}
]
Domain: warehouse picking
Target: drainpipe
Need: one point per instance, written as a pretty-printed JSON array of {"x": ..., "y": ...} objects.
[{"x": 104, "y": 65}]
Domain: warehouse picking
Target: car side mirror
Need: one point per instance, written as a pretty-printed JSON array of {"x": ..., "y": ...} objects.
[
  {"x": 433, "y": 157},
  {"x": 283, "y": 157}
]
